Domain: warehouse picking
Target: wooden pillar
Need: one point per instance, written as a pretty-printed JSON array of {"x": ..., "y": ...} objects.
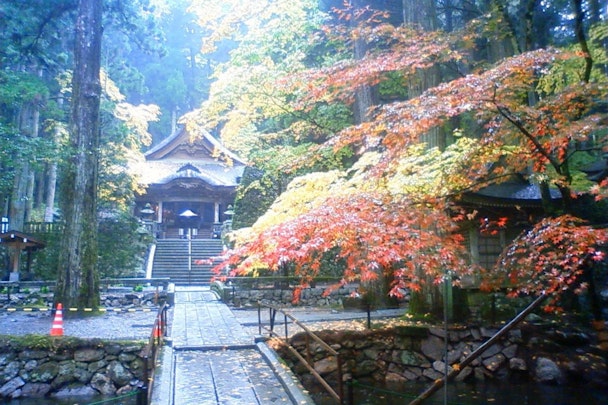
[
  {"x": 159, "y": 214},
  {"x": 15, "y": 256},
  {"x": 216, "y": 214}
]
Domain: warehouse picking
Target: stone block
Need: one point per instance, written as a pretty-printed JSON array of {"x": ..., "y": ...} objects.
[{"x": 11, "y": 386}]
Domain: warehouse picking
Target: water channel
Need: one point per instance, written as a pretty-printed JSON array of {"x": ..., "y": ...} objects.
[
  {"x": 494, "y": 392},
  {"x": 128, "y": 399}
]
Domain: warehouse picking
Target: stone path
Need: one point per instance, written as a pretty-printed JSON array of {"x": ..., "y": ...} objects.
[
  {"x": 213, "y": 360},
  {"x": 201, "y": 321}
]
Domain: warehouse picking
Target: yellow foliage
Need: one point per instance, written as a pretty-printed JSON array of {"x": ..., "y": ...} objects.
[
  {"x": 303, "y": 194},
  {"x": 137, "y": 118}
]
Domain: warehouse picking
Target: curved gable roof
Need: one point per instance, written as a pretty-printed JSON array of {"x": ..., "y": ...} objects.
[
  {"x": 182, "y": 143},
  {"x": 182, "y": 156}
]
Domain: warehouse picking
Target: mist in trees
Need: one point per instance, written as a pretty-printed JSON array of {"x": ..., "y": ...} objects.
[
  {"x": 371, "y": 111},
  {"x": 52, "y": 157}
]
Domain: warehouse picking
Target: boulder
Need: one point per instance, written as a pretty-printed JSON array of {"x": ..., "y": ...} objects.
[
  {"x": 517, "y": 364},
  {"x": 75, "y": 390},
  {"x": 547, "y": 371},
  {"x": 433, "y": 347},
  {"x": 439, "y": 366},
  {"x": 411, "y": 358},
  {"x": 45, "y": 372},
  {"x": 103, "y": 384},
  {"x": 88, "y": 355},
  {"x": 395, "y": 378},
  {"x": 35, "y": 390},
  {"x": 11, "y": 386},
  {"x": 326, "y": 366},
  {"x": 493, "y": 363},
  {"x": 96, "y": 365},
  {"x": 119, "y": 374},
  {"x": 33, "y": 354},
  {"x": 464, "y": 374},
  {"x": 432, "y": 374},
  {"x": 6, "y": 358},
  {"x": 10, "y": 371}
]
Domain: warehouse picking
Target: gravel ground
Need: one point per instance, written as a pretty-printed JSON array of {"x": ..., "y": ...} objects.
[
  {"x": 315, "y": 319},
  {"x": 138, "y": 324},
  {"x": 110, "y": 325}
]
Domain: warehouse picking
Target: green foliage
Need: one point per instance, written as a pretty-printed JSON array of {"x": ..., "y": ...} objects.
[
  {"x": 121, "y": 248},
  {"x": 274, "y": 170},
  {"x": 255, "y": 194},
  {"x": 18, "y": 87},
  {"x": 393, "y": 87},
  {"x": 567, "y": 72},
  {"x": 497, "y": 307},
  {"x": 44, "y": 263},
  {"x": 58, "y": 344}
]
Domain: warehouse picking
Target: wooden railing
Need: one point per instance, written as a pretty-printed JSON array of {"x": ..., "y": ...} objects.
[
  {"x": 43, "y": 227},
  {"x": 155, "y": 343},
  {"x": 338, "y": 396}
]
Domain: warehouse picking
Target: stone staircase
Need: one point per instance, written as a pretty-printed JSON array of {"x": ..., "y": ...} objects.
[{"x": 171, "y": 260}]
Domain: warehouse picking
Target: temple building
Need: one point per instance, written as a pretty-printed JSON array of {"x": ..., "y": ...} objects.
[{"x": 188, "y": 185}]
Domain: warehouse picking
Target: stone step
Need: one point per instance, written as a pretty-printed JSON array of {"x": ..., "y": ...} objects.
[{"x": 172, "y": 255}]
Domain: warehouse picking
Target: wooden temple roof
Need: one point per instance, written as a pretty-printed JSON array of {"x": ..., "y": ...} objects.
[
  {"x": 185, "y": 158},
  {"x": 510, "y": 194}
]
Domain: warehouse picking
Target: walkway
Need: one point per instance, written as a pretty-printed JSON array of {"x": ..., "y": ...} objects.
[{"x": 210, "y": 359}]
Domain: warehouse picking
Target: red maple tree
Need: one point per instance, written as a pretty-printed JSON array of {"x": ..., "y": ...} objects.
[{"x": 416, "y": 238}]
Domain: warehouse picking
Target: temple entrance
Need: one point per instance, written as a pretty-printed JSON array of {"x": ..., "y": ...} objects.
[
  {"x": 186, "y": 186},
  {"x": 202, "y": 218}
]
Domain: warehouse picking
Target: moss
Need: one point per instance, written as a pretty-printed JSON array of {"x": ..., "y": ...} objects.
[{"x": 55, "y": 343}]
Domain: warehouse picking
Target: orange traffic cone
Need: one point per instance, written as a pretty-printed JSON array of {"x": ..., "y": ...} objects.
[
  {"x": 156, "y": 333},
  {"x": 57, "y": 328}
]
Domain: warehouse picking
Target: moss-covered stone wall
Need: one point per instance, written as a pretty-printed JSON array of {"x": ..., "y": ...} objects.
[{"x": 44, "y": 366}]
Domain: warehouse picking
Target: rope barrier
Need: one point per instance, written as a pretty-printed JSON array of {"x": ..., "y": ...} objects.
[
  {"x": 104, "y": 401},
  {"x": 108, "y": 309}
]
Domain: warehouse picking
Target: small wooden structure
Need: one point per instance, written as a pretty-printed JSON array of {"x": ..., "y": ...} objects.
[
  {"x": 16, "y": 242},
  {"x": 518, "y": 200}
]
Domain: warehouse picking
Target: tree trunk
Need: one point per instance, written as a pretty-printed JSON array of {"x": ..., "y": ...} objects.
[
  {"x": 51, "y": 184},
  {"x": 21, "y": 197},
  {"x": 364, "y": 99},
  {"x": 51, "y": 181},
  {"x": 29, "y": 191},
  {"x": 77, "y": 281},
  {"x": 16, "y": 213}
]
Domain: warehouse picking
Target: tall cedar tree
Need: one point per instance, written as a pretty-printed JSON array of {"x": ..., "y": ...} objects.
[{"x": 77, "y": 283}]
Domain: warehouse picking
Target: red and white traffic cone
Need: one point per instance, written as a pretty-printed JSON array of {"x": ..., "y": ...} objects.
[{"x": 57, "y": 328}]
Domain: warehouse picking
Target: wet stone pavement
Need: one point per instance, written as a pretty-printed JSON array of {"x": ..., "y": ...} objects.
[
  {"x": 201, "y": 321},
  {"x": 210, "y": 359},
  {"x": 226, "y": 377}
]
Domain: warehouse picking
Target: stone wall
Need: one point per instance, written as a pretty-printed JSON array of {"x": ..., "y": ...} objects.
[
  {"x": 411, "y": 353},
  {"x": 68, "y": 367},
  {"x": 124, "y": 298},
  {"x": 250, "y": 295}
]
